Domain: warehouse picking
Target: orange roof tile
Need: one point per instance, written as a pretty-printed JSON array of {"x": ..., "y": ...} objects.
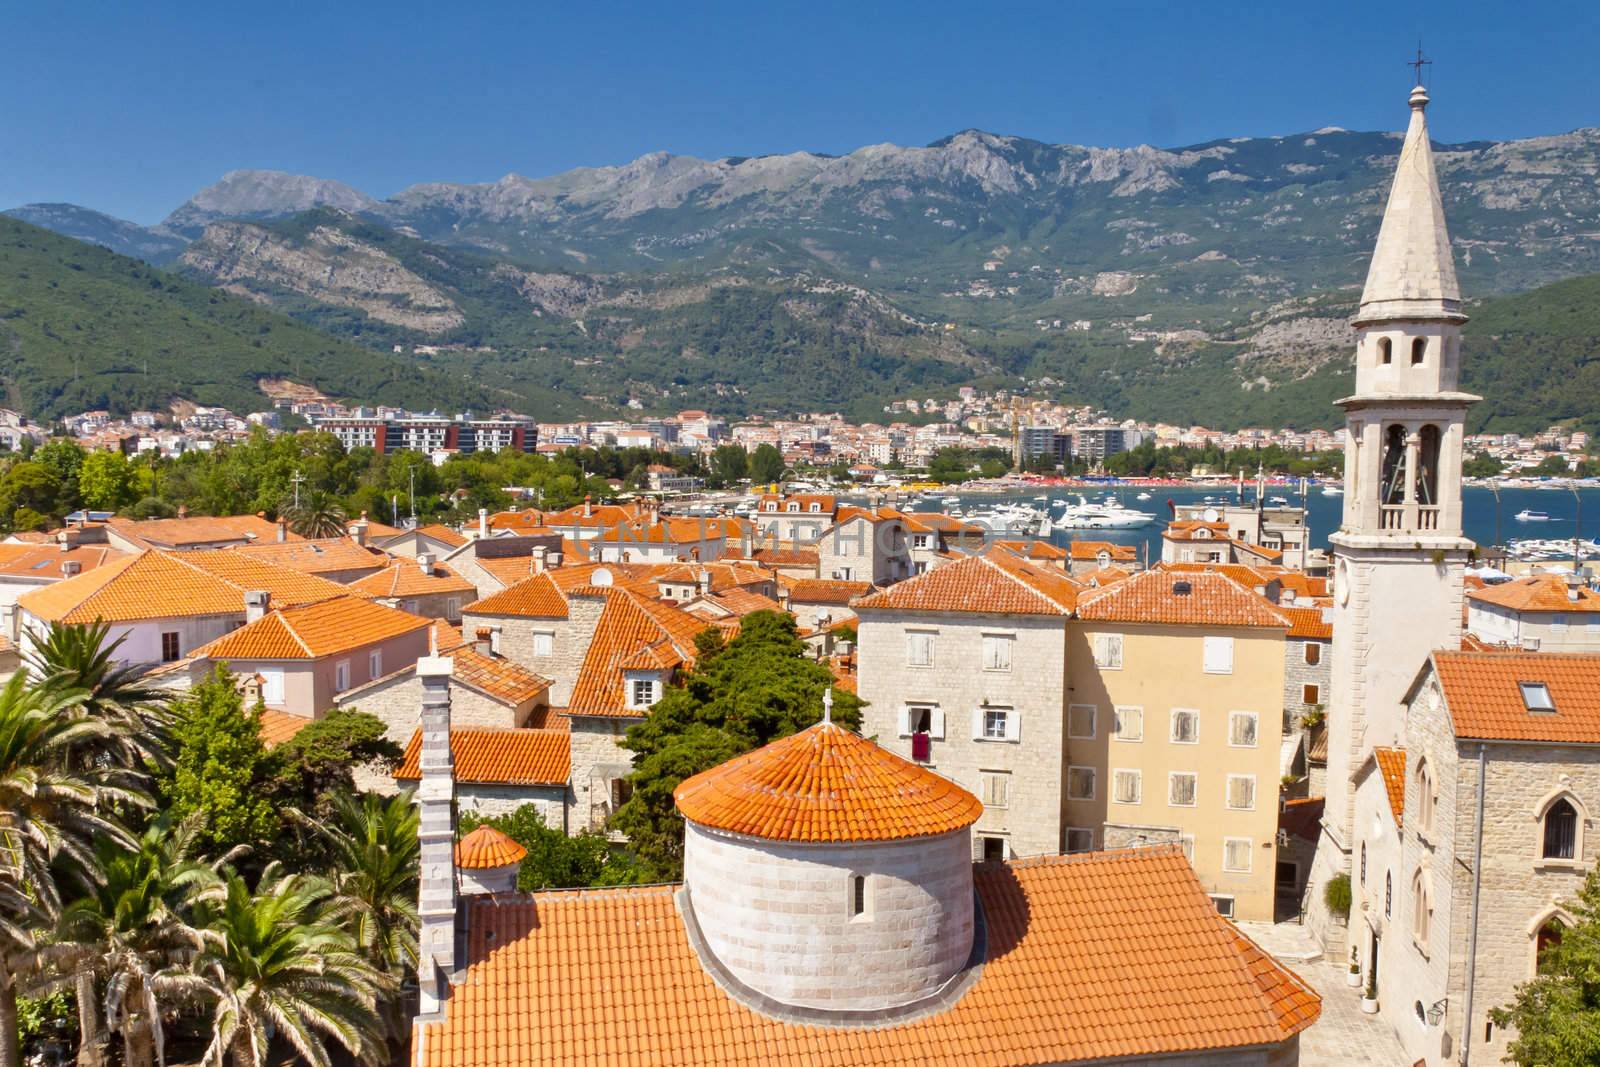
[
  {"x": 314, "y": 631},
  {"x": 994, "y": 583},
  {"x": 487, "y": 847},
  {"x": 1482, "y": 692},
  {"x": 1084, "y": 551},
  {"x": 406, "y": 578},
  {"x": 825, "y": 591},
  {"x": 1036, "y": 550},
  {"x": 1149, "y": 597},
  {"x": 443, "y": 534},
  {"x": 323, "y": 555},
  {"x": 1308, "y": 623},
  {"x": 43, "y": 563},
  {"x": 1249, "y": 577},
  {"x": 786, "y": 557},
  {"x": 742, "y": 602},
  {"x": 1098, "y": 956},
  {"x": 279, "y": 726},
  {"x": 535, "y": 597},
  {"x": 198, "y": 530},
  {"x": 630, "y": 626},
  {"x": 500, "y": 757},
  {"x": 163, "y": 585},
  {"x": 825, "y": 784},
  {"x": 496, "y": 676},
  {"x": 1392, "y": 765},
  {"x": 1541, "y": 592}
]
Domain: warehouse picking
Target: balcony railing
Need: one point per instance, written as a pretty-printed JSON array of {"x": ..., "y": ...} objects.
[
  {"x": 1427, "y": 518},
  {"x": 1408, "y": 517},
  {"x": 1393, "y": 517}
]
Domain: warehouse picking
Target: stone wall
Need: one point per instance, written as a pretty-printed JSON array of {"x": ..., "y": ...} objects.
[
  {"x": 396, "y": 701},
  {"x": 491, "y": 800},
  {"x": 1297, "y": 674},
  {"x": 596, "y": 745},
  {"x": 570, "y": 639},
  {"x": 779, "y": 915}
]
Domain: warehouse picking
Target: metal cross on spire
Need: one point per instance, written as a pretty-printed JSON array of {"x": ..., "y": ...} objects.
[{"x": 1419, "y": 62}]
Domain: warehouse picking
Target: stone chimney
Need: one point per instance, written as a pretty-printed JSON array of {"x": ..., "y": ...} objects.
[
  {"x": 71, "y": 568},
  {"x": 702, "y": 581},
  {"x": 553, "y": 560},
  {"x": 1575, "y": 586},
  {"x": 358, "y": 530},
  {"x": 64, "y": 539},
  {"x": 425, "y": 561},
  {"x": 283, "y": 529},
  {"x": 436, "y": 834},
  {"x": 483, "y": 523},
  {"x": 539, "y": 558},
  {"x": 183, "y": 511},
  {"x": 483, "y": 641},
  {"x": 257, "y": 602},
  {"x": 588, "y": 506}
]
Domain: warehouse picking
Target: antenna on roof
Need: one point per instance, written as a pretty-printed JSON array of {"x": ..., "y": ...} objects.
[{"x": 827, "y": 705}]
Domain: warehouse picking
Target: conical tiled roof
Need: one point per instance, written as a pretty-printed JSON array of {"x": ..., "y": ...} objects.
[
  {"x": 825, "y": 784},
  {"x": 1413, "y": 275},
  {"x": 487, "y": 847}
]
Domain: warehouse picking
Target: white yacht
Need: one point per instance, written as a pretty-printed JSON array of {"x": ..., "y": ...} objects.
[
  {"x": 1528, "y": 515},
  {"x": 1142, "y": 496},
  {"x": 1332, "y": 490},
  {"x": 1107, "y": 516}
]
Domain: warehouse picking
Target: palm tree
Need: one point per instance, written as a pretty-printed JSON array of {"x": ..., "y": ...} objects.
[
  {"x": 318, "y": 515},
  {"x": 276, "y": 965},
  {"x": 135, "y": 931},
  {"x": 81, "y": 658},
  {"x": 53, "y": 808}
]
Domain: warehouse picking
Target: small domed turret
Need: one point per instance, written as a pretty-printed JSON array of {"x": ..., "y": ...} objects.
[{"x": 487, "y": 861}]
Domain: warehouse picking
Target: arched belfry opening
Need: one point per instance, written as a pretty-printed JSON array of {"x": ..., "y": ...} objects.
[
  {"x": 1428, "y": 466},
  {"x": 1394, "y": 464},
  {"x": 1419, "y": 351}
]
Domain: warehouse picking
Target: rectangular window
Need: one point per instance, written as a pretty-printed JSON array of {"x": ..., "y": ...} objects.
[
  {"x": 1108, "y": 651},
  {"x": 1243, "y": 727},
  {"x": 1080, "y": 839},
  {"x": 1080, "y": 783},
  {"x": 1219, "y": 655},
  {"x": 272, "y": 688},
  {"x": 1311, "y": 694},
  {"x": 1185, "y": 726},
  {"x": 1125, "y": 786},
  {"x": 1181, "y": 789},
  {"x": 1080, "y": 721},
  {"x": 858, "y": 895},
  {"x": 1242, "y": 792},
  {"x": 920, "y": 541},
  {"x": 994, "y": 849},
  {"x": 919, "y": 649},
  {"x": 922, "y": 719},
  {"x": 1313, "y": 652},
  {"x": 374, "y": 664},
  {"x": 642, "y": 692},
  {"x": 997, "y": 652},
  {"x": 341, "y": 676},
  {"x": 1237, "y": 852},
  {"x": 452, "y": 608},
  {"x": 996, "y": 788},
  {"x": 996, "y": 724},
  {"x": 170, "y": 648},
  {"x": 544, "y": 644},
  {"x": 1224, "y": 905},
  {"x": 1127, "y": 723}
]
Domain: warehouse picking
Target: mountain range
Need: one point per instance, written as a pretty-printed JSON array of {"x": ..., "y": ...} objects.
[{"x": 1205, "y": 283}]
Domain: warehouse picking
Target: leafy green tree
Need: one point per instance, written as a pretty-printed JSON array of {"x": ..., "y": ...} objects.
[
  {"x": 1482, "y": 465},
  {"x": 220, "y": 766},
  {"x": 81, "y": 660},
  {"x": 766, "y": 464},
  {"x": 106, "y": 481},
  {"x": 277, "y": 965},
  {"x": 757, "y": 688},
  {"x": 729, "y": 465},
  {"x": 134, "y": 931},
  {"x": 63, "y": 458},
  {"x": 319, "y": 515},
  {"x": 1557, "y": 1015},
  {"x": 31, "y": 487},
  {"x": 52, "y": 812},
  {"x": 554, "y": 860},
  {"x": 25, "y": 519},
  {"x": 318, "y": 763}
]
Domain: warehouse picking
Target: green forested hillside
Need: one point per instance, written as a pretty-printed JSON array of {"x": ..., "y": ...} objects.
[
  {"x": 1535, "y": 357},
  {"x": 84, "y": 328}
]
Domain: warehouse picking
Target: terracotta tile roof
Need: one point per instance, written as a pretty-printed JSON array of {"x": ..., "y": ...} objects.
[
  {"x": 1099, "y": 956},
  {"x": 323, "y": 555},
  {"x": 496, "y": 676},
  {"x": 172, "y": 585},
  {"x": 722, "y": 575},
  {"x": 1102, "y": 576},
  {"x": 536, "y": 597},
  {"x": 1249, "y": 577},
  {"x": 1044, "y": 550},
  {"x": 521, "y": 520},
  {"x": 786, "y": 557},
  {"x": 634, "y": 632},
  {"x": 374, "y": 527},
  {"x": 825, "y": 784},
  {"x": 198, "y": 530},
  {"x": 443, "y": 534},
  {"x": 1213, "y": 600},
  {"x": 406, "y": 578},
  {"x": 1086, "y": 551},
  {"x": 1541, "y": 592},
  {"x": 825, "y": 591},
  {"x": 1302, "y": 816},
  {"x": 1308, "y": 623},
  {"x": 826, "y": 504},
  {"x": 499, "y": 757},
  {"x": 314, "y": 631},
  {"x": 279, "y": 726},
  {"x": 665, "y": 532},
  {"x": 1392, "y": 765},
  {"x": 487, "y": 847},
  {"x": 42, "y": 563},
  {"x": 937, "y": 522},
  {"x": 994, "y": 583},
  {"x": 446, "y": 637},
  {"x": 1482, "y": 691},
  {"x": 742, "y": 602}
]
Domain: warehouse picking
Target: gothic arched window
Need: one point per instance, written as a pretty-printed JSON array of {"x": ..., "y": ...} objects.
[
  {"x": 1385, "y": 350},
  {"x": 1548, "y": 937},
  {"x": 1419, "y": 351},
  {"x": 1428, "y": 466},
  {"x": 1560, "y": 831}
]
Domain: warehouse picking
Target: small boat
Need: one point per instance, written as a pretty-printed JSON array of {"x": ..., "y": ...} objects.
[
  {"x": 1041, "y": 497},
  {"x": 1332, "y": 490},
  {"x": 1278, "y": 501},
  {"x": 1142, "y": 496},
  {"x": 950, "y": 501},
  {"x": 1528, "y": 515}
]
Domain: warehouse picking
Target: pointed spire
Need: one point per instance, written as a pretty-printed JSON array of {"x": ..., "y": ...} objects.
[{"x": 1413, "y": 274}]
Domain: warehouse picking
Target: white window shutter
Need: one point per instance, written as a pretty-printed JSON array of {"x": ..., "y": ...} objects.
[
  {"x": 938, "y": 724},
  {"x": 977, "y": 724},
  {"x": 1014, "y": 725},
  {"x": 1219, "y": 655},
  {"x": 905, "y": 721}
]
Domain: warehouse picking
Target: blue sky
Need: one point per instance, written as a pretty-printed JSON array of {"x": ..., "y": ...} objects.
[{"x": 130, "y": 108}]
